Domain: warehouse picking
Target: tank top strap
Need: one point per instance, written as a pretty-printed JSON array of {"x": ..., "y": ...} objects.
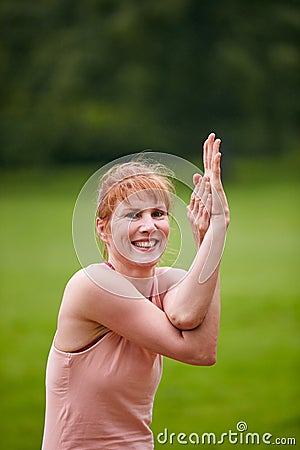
[{"x": 109, "y": 264}]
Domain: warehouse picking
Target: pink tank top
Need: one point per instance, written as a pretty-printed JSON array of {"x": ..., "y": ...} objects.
[{"x": 101, "y": 398}]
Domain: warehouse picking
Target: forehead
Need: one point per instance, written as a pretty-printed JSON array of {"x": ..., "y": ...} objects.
[{"x": 145, "y": 198}]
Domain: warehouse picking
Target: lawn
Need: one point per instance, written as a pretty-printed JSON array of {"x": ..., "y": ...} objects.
[{"x": 256, "y": 376}]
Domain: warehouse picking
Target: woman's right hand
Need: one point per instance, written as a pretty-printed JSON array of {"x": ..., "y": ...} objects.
[{"x": 199, "y": 208}]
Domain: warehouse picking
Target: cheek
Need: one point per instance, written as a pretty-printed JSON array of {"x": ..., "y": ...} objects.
[
  {"x": 165, "y": 228},
  {"x": 122, "y": 230},
  {"x": 132, "y": 229}
]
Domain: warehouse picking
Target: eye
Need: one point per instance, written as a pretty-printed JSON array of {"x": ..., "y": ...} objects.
[
  {"x": 159, "y": 213},
  {"x": 132, "y": 215}
]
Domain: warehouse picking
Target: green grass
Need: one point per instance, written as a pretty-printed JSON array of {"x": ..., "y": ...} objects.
[{"x": 256, "y": 375}]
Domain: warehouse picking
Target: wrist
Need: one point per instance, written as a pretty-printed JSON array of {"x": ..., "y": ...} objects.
[
  {"x": 218, "y": 226},
  {"x": 218, "y": 219}
]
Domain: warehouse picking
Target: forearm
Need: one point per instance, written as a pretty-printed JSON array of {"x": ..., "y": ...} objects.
[{"x": 187, "y": 304}]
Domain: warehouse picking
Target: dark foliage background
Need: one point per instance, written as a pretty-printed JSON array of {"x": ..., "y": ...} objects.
[{"x": 90, "y": 81}]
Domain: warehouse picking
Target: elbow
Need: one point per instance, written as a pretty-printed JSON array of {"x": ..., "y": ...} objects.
[
  {"x": 206, "y": 356},
  {"x": 209, "y": 359},
  {"x": 185, "y": 322}
]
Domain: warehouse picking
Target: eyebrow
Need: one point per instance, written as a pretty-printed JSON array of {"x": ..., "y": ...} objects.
[{"x": 133, "y": 208}]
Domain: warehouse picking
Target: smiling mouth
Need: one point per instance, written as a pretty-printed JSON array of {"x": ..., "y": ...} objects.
[{"x": 145, "y": 245}]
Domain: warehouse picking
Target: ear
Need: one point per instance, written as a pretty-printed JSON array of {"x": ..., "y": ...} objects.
[{"x": 100, "y": 228}]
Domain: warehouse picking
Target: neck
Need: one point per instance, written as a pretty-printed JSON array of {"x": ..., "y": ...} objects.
[{"x": 132, "y": 270}]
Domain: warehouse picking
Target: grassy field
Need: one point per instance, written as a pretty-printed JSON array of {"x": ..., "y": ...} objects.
[{"x": 256, "y": 376}]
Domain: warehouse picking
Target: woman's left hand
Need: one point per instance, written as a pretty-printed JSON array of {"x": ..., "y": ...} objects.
[
  {"x": 199, "y": 209},
  {"x": 212, "y": 170}
]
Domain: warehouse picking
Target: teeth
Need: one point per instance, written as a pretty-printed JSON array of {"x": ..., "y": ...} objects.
[{"x": 145, "y": 244}]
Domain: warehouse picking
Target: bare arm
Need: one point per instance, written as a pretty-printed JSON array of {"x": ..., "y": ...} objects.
[
  {"x": 187, "y": 304},
  {"x": 131, "y": 315}
]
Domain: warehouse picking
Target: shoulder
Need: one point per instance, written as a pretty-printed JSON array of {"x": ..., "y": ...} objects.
[
  {"x": 98, "y": 279},
  {"x": 87, "y": 277},
  {"x": 95, "y": 291},
  {"x": 169, "y": 277}
]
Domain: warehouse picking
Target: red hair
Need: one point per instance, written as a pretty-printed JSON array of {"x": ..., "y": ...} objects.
[{"x": 122, "y": 180}]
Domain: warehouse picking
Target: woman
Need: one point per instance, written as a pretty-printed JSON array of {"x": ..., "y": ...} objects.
[{"x": 118, "y": 318}]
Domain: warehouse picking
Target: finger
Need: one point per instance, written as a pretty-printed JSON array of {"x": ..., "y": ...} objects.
[
  {"x": 199, "y": 191},
  {"x": 196, "y": 207},
  {"x": 216, "y": 170},
  {"x": 192, "y": 214},
  {"x": 205, "y": 156},
  {"x": 188, "y": 212},
  {"x": 199, "y": 205},
  {"x": 208, "y": 204},
  {"x": 215, "y": 150},
  {"x": 201, "y": 188},
  {"x": 196, "y": 178},
  {"x": 203, "y": 217},
  {"x": 192, "y": 203},
  {"x": 198, "y": 188},
  {"x": 195, "y": 200},
  {"x": 205, "y": 194},
  {"x": 210, "y": 143}
]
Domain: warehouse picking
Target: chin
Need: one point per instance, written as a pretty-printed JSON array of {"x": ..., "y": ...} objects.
[
  {"x": 145, "y": 263},
  {"x": 144, "y": 260}
]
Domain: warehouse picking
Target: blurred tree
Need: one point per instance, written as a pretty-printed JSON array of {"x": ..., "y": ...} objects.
[{"x": 90, "y": 81}]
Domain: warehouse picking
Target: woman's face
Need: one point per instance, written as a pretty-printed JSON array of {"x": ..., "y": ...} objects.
[{"x": 139, "y": 228}]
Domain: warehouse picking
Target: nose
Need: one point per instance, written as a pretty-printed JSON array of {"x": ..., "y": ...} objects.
[{"x": 147, "y": 223}]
